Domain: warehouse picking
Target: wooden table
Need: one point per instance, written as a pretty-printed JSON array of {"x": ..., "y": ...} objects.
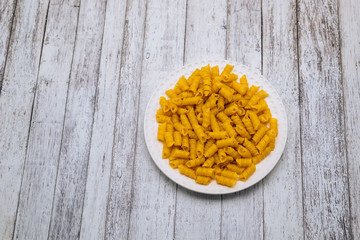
[{"x": 77, "y": 75}]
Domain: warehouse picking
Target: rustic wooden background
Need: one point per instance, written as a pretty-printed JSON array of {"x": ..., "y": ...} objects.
[{"x": 76, "y": 76}]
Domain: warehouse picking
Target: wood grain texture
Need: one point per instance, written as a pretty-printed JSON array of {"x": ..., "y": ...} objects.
[
  {"x": 242, "y": 212},
  {"x": 7, "y": 12},
  {"x": 38, "y": 184},
  {"x": 153, "y": 194},
  {"x": 76, "y": 137},
  {"x": 119, "y": 196},
  {"x": 350, "y": 54},
  {"x": 77, "y": 75},
  {"x": 98, "y": 176},
  {"x": 325, "y": 185},
  {"x": 198, "y": 216},
  {"x": 244, "y": 33},
  {"x": 16, "y": 99},
  {"x": 283, "y": 212},
  {"x": 206, "y": 24}
]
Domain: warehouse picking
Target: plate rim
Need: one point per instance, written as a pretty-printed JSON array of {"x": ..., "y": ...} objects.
[{"x": 215, "y": 62}]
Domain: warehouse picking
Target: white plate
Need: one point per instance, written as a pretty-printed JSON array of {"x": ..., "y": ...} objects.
[{"x": 262, "y": 169}]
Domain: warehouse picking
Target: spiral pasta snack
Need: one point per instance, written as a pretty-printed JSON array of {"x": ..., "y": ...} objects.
[{"x": 215, "y": 127}]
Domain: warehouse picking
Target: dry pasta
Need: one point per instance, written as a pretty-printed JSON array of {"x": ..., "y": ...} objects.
[
  {"x": 195, "y": 162},
  {"x": 181, "y": 111},
  {"x": 177, "y": 138},
  {"x": 225, "y": 162},
  {"x": 244, "y": 162},
  {"x": 235, "y": 168},
  {"x": 207, "y": 172},
  {"x": 161, "y": 132},
  {"x": 229, "y": 129},
  {"x": 222, "y": 155},
  {"x": 228, "y": 142},
  {"x": 199, "y": 149},
  {"x": 173, "y": 107},
  {"x": 230, "y": 182},
  {"x": 203, "y": 180},
  {"x": 211, "y": 151},
  {"x": 209, "y": 162},
  {"x": 192, "y": 153},
  {"x": 171, "y": 93},
  {"x": 263, "y": 143},
  {"x": 185, "y": 143},
  {"x": 206, "y": 117},
  {"x": 208, "y": 144},
  {"x": 176, "y": 162},
  {"x": 214, "y": 126},
  {"x": 187, "y": 171},
  {"x": 166, "y": 152},
  {"x": 247, "y": 173},
  {"x": 169, "y": 139},
  {"x": 259, "y": 134},
  {"x": 164, "y": 104},
  {"x": 217, "y": 135},
  {"x": 206, "y": 76},
  {"x": 251, "y": 147},
  {"x": 221, "y": 103},
  {"x": 232, "y": 152},
  {"x": 248, "y": 124},
  {"x": 254, "y": 120}
]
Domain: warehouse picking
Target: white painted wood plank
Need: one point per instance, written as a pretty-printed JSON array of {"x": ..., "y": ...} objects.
[
  {"x": 199, "y": 216},
  {"x": 205, "y": 30},
  {"x": 153, "y": 194},
  {"x": 16, "y": 99},
  {"x": 283, "y": 209},
  {"x": 119, "y": 196},
  {"x": 242, "y": 213},
  {"x": 98, "y": 176},
  {"x": 244, "y": 32},
  {"x": 75, "y": 145},
  {"x": 36, "y": 196},
  {"x": 350, "y": 63},
  {"x": 7, "y": 13},
  {"x": 324, "y": 165}
]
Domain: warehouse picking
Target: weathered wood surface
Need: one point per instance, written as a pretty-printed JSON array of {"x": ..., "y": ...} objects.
[
  {"x": 7, "y": 12},
  {"x": 350, "y": 65},
  {"x": 16, "y": 101},
  {"x": 242, "y": 213},
  {"x": 77, "y": 76},
  {"x": 38, "y": 183},
  {"x": 123, "y": 152},
  {"x": 78, "y": 122},
  {"x": 100, "y": 159},
  {"x": 283, "y": 186},
  {"x": 323, "y": 149}
]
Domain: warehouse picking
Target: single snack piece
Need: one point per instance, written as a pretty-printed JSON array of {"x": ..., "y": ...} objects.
[
  {"x": 175, "y": 163},
  {"x": 187, "y": 171},
  {"x": 195, "y": 162},
  {"x": 203, "y": 180},
  {"x": 247, "y": 173},
  {"x": 211, "y": 151},
  {"x": 229, "y": 174},
  {"x": 209, "y": 162},
  {"x": 244, "y": 162},
  {"x": 214, "y": 126},
  {"x": 207, "y": 172},
  {"x": 230, "y": 182},
  {"x": 161, "y": 132},
  {"x": 235, "y": 168}
]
